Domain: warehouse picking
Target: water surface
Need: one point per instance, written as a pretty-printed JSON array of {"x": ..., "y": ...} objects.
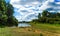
[{"x": 24, "y": 25}]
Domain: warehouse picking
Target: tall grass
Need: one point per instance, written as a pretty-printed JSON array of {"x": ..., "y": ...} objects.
[{"x": 45, "y": 29}]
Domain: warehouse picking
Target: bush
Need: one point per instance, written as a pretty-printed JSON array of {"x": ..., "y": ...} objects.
[
  {"x": 41, "y": 34},
  {"x": 12, "y": 21}
]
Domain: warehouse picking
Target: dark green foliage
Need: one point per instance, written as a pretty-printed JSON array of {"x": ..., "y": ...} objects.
[
  {"x": 45, "y": 13},
  {"x": 12, "y": 21},
  {"x": 41, "y": 34},
  {"x": 47, "y": 17},
  {"x": 6, "y": 14},
  {"x": 39, "y": 15},
  {"x": 10, "y": 10}
]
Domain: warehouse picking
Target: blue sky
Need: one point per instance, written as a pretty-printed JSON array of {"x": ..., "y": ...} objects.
[{"x": 26, "y": 10}]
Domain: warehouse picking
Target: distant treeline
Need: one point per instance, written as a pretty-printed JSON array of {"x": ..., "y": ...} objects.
[
  {"x": 6, "y": 14},
  {"x": 24, "y": 22},
  {"x": 48, "y": 17}
]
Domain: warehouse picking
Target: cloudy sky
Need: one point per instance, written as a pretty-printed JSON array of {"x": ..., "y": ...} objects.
[{"x": 26, "y": 10}]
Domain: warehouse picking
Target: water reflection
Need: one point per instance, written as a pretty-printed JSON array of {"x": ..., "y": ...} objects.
[{"x": 24, "y": 25}]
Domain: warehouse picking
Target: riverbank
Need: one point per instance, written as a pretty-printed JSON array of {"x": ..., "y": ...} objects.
[
  {"x": 35, "y": 30},
  {"x": 48, "y": 29},
  {"x": 7, "y": 31}
]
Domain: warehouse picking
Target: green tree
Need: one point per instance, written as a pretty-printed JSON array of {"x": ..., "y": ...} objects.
[
  {"x": 45, "y": 13},
  {"x": 39, "y": 16},
  {"x": 3, "y": 10},
  {"x": 10, "y": 10},
  {"x": 11, "y": 19},
  {"x": 6, "y": 14}
]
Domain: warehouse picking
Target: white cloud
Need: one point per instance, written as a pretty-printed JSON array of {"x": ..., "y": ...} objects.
[
  {"x": 57, "y": 7},
  {"x": 12, "y": 1},
  {"x": 28, "y": 6},
  {"x": 57, "y": 3},
  {"x": 31, "y": 7},
  {"x": 44, "y": 6},
  {"x": 51, "y": 0},
  {"x": 52, "y": 11}
]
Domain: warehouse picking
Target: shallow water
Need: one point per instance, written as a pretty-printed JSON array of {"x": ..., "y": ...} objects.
[{"x": 24, "y": 25}]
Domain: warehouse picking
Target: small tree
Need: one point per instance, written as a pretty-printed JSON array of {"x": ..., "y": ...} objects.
[
  {"x": 39, "y": 16},
  {"x": 44, "y": 13}
]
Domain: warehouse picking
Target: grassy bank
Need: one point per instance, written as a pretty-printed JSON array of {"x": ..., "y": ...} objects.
[
  {"x": 48, "y": 29},
  {"x": 35, "y": 30},
  {"x": 8, "y": 31}
]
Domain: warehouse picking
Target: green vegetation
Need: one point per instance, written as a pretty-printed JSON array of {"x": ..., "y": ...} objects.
[
  {"x": 48, "y": 17},
  {"x": 41, "y": 34},
  {"x": 46, "y": 27},
  {"x": 47, "y": 24},
  {"x": 6, "y": 14},
  {"x": 7, "y": 31},
  {"x": 36, "y": 30}
]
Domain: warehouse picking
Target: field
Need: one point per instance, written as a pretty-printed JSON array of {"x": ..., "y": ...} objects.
[{"x": 35, "y": 30}]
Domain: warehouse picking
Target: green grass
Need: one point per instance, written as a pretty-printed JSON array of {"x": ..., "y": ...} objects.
[
  {"x": 48, "y": 27},
  {"x": 45, "y": 29},
  {"x": 7, "y": 31}
]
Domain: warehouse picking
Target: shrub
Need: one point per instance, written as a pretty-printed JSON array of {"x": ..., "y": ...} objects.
[{"x": 41, "y": 34}]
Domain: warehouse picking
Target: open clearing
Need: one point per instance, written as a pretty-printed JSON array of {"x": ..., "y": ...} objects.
[{"x": 35, "y": 30}]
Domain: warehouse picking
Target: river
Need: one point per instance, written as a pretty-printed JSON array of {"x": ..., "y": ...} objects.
[{"x": 24, "y": 25}]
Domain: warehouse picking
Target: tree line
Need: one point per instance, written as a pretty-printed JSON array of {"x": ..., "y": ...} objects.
[
  {"x": 48, "y": 17},
  {"x": 6, "y": 14}
]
